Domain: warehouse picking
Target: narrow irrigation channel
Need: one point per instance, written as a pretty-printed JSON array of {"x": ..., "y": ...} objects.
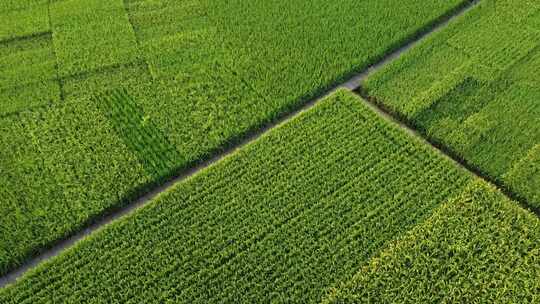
[{"x": 353, "y": 83}]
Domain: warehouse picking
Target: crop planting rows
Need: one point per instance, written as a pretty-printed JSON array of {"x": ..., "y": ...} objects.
[
  {"x": 144, "y": 139},
  {"x": 102, "y": 100},
  {"x": 198, "y": 76},
  {"x": 474, "y": 88}
]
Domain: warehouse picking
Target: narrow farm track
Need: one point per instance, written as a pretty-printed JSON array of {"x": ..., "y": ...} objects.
[{"x": 353, "y": 83}]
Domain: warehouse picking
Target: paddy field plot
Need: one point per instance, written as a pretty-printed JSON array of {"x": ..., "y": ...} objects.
[
  {"x": 158, "y": 151},
  {"x": 477, "y": 247},
  {"x": 474, "y": 88}
]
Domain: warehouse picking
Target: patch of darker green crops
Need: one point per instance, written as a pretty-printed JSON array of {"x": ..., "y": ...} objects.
[{"x": 203, "y": 73}]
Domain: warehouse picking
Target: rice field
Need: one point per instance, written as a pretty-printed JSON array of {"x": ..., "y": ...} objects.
[
  {"x": 477, "y": 247},
  {"x": 373, "y": 151}
]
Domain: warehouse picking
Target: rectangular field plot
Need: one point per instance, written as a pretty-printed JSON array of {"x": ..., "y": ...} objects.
[
  {"x": 479, "y": 247},
  {"x": 91, "y": 34},
  {"x": 282, "y": 219},
  {"x": 29, "y": 77},
  {"x": 26, "y": 22},
  {"x": 474, "y": 87}
]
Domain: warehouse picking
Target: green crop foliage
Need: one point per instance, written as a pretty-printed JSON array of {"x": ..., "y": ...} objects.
[
  {"x": 91, "y": 34},
  {"x": 478, "y": 248},
  {"x": 132, "y": 77},
  {"x": 525, "y": 175},
  {"x": 28, "y": 66},
  {"x": 203, "y": 73},
  {"x": 154, "y": 19},
  {"x": 138, "y": 132},
  {"x": 20, "y": 23},
  {"x": 13, "y": 5},
  {"x": 22, "y": 98},
  {"x": 33, "y": 42},
  {"x": 281, "y": 219},
  {"x": 473, "y": 87},
  {"x": 79, "y": 167},
  {"x": 29, "y": 76},
  {"x": 101, "y": 100}
]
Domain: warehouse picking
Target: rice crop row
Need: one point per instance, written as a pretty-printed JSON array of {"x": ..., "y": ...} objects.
[{"x": 281, "y": 219}]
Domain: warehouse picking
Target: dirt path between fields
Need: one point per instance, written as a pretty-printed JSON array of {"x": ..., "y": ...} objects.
[{"x": 353, "y": 83}]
